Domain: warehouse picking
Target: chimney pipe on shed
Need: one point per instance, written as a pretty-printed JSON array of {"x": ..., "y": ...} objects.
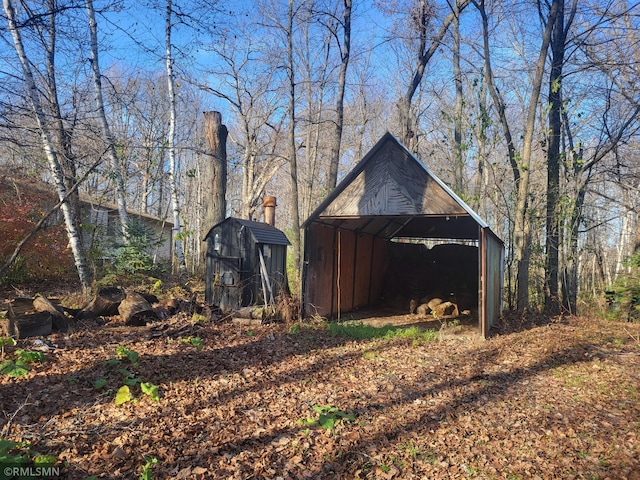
[{"x": 269, "y": 204}]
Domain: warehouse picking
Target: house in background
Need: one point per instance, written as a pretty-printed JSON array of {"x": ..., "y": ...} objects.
[{"x": 101, "y": 227}]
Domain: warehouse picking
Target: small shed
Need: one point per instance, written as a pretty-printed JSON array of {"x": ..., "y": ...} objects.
[
  {"x": 246, "y": 263},
  {"x": 392, "y": 232}
]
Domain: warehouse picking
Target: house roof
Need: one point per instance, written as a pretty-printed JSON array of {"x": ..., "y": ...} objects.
[
  {"x": 113, "y": 207},
  {"x": 261, "y": 232},
  {"x": 390, "y": 193}
]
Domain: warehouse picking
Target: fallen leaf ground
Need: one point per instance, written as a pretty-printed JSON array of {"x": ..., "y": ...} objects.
[{"x": 555, "y": 401}]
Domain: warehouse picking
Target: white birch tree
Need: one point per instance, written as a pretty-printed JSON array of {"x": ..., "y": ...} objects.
[
  {"x": 48, "y": 147},
  {"x": 116, "y": 170},
  {"x": 173, "y": 182}
]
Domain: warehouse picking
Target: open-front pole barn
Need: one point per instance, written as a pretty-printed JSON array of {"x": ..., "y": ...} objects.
[{"x": 367, "y": 244}]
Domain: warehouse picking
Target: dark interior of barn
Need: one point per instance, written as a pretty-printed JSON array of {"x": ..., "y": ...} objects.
[{"x": 416, "y": 275}]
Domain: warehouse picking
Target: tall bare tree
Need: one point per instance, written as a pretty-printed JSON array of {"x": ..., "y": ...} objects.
[
  {"x": 293, "y": 162},
  {"x": 458, "y": 157},
  {"x": 173, "y": 181},
  {"x": 61, "y": 131},
  {"x": 256, "y": 106},
  {"x": 422, "y": 16},
  {"x": 520, "y": 163},
  {"x": 214, "y": 178},
  {"x": 344, "y": 47},
  {"x": 48, "y": 147},
  {"x": 610, "y": 44},
  {"x": 558, "y": 47},
  {"x": 112, "y": 155}
]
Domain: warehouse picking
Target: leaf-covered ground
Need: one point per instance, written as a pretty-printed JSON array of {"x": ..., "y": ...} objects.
[{"x": 554, "y": 401}]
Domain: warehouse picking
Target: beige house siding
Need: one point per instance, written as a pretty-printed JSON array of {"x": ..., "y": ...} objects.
[{"x": 104, "y": 229}]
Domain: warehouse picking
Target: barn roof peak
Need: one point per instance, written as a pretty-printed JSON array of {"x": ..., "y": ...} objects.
[{"x": 390, "y": 180}]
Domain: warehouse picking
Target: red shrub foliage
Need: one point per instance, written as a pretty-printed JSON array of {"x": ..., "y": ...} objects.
[{"x": 46, "y": 257}]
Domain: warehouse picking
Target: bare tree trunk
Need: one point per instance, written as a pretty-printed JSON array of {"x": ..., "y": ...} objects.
[
  {"x": 570, "y": 275},
  {"x": 293, "y": 163},
  {"x": 121, "y": 195},
  {"x": 314, "y": 187},
  {"x": 61, "y": 134},
  {"x": 553, "y": 242},
  {"x": 216, "y": 180},
  {"x": 47, "y": 144},
  {"x": 173, "y": 182},
  {"x": 626, "y": 244},
  {"x": 500, "y": 105},
  {"x": 482, "y": 190},
  {"x": 552, "y": 302},
  {"x": 522, "y": 234},
  {"x": 458, "y": 157},
  {"x": 247, "y": 175},
  {"x": 342, "y": 80},
  {"x": 521, "y": 169}
]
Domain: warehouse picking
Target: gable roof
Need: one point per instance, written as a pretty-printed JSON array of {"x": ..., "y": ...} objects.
[
  {"x": 390, "y": 193},
  {"x": 112, "y": 207},
  {"x": 260, "y": 231}
]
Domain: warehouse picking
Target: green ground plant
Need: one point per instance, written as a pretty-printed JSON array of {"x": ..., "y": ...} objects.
[
  {"x": 362, "y": 331},
  {"x": 123, "y": 352},
  {"x": 128, "y": 379},
  {"x": 21, "y": 454},
  {"x": 151, "y": 390},
  {"x": 6, "y": 342},
  {"x": 146, "y": 473},
  {"x": 198, "y": 317},
  {"x": 19, "y": 367},
  {"x": 328, "y": 417},
  {"x": 195, "y": 341}
]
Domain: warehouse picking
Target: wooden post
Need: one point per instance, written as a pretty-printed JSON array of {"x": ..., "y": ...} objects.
[{"x": 215, "y": 178}]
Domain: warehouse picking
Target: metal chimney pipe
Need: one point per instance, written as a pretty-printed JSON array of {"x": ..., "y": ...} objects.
[{"x": 269, "y": 204}]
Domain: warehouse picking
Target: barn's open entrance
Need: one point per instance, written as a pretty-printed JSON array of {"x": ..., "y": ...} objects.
[
  {"x": 354, "y": 274},
  {"x": 392, "y": 232},
  {"x": 423, "y": 272}
]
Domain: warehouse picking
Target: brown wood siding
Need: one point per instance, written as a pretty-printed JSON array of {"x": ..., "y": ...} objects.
[
  {"x": 361, "y": 268},
  {"x": 345, "y": 270},
  {"x": 278, "y": 276},
  {"x": 392, "y": 183},
  {"x": 320, "y": 255},
  {"x": 364, "y": 256}
]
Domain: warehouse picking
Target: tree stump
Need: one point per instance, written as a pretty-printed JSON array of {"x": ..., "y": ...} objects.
[
  {"x": 26, "y": 325},
  {"x": 59, "y": 319},
  {"x": 104, "y": 304},
  {"x": 19, "y": 306},
  {"x": 135, "y": 310}
]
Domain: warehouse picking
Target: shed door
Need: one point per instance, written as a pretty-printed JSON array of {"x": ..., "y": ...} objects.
[{"x": 227, "y": 287}]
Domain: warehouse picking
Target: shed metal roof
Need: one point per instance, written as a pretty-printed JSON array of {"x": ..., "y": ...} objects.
[{"x": 260, "y": 231}]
